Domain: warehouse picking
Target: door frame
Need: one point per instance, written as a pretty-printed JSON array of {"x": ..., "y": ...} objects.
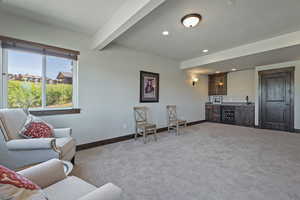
[{"x": 292, "y": 95}]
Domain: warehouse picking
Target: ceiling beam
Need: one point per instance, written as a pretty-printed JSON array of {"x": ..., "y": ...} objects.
[
  {"x": 129, "y": 14},
  {"x": 278, "y": 42}
]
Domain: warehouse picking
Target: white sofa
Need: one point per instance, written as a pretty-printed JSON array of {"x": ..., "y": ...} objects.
[
  {"x": 23, "y": 152},
  {"x": 50, "y": 176}
]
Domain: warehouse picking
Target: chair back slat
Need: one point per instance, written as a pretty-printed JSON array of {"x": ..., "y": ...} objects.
[
  {"x": 172, "y": 114},
  {"x": 140, "y": 114}
]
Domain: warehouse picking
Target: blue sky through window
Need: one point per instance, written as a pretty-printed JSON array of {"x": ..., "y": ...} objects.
[{"x": 20, "y": 62}]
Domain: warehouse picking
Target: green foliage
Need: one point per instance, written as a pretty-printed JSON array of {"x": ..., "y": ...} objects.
[
  {"x": 27, "y": 94},
  {"x": 58, "y": 94},
  {"x": 24, "y": 95}
]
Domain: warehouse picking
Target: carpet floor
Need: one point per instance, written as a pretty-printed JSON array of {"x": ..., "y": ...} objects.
[{"x": 208, "y": 161}]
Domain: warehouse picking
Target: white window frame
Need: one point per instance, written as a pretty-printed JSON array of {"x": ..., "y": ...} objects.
[
  {"x": 1, "y": 77},
  {"x": 4, "y": 81}
]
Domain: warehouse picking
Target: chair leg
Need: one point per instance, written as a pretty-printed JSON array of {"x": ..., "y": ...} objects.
[
  {"x": 168, "y": 128},
  {"x": 136, "y": 133},
  {"x": 73, "y": 160},
  {"x": 155, "y": 135},
  {"x": 177, "y": 129},
  {"x": 144, "y": 135}
]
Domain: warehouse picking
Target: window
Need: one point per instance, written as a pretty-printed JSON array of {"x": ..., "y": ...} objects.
[
  {"x": 24, "y": 79},
  {"x": 59, "y": 84},
  {"x": 36, "y": 78}
]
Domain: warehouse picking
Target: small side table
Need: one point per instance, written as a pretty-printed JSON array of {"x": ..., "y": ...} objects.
[{"x": 68, "y": 167}]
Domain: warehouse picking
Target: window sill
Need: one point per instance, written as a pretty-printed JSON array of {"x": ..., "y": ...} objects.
[{"x": 55, "y": 112}]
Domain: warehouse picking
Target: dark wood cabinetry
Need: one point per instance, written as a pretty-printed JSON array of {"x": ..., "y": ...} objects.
[
  {"x": 213, "y": 113},
  {"x": 240, "y": 114},
  {"x": 217, "y": 84},
  {"x": 244, "y": 115},
  {"x": 237, "y": 113}
]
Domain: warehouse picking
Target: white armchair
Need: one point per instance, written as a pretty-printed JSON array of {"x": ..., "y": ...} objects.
[
  {"x": 50, "y": 176},
  {"x": 23, "y": 152}
]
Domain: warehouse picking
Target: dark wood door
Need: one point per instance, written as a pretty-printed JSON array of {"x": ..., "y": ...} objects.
[{"x": 276, "y": 99}]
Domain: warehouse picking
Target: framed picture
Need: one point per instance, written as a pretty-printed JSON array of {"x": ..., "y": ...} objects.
[{"x": 149, "y": 87}]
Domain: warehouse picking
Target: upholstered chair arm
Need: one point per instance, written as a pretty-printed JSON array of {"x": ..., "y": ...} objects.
[
  {"x": 62, "y": 132},
  {"x": 107, "y": 192},
  {"x": 31, "y": 144},
  {"x": 46, "y": 173}
]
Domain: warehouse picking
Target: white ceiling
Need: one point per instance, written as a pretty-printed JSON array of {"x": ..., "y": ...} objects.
[
  {"x": 85, "y": 16},
  {"x": 249, "y": 62},
  {"x": 224, "y": 26}
]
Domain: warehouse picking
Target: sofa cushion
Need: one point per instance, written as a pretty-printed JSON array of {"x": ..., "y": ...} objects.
[
  {"x": 16, "y": 186},
  {"x": 12, "y": 121},
  {"x": 69, "y": 188},
  {"x": 65, "y": 144}
]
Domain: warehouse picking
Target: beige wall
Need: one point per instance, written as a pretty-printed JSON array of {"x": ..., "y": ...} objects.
[
  {"x": 109, "y": 83},
  {"x": 239, "y": 85},
  {"x": 296, "y": 64}
]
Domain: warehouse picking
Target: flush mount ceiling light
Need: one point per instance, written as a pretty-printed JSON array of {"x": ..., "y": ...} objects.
[
  {"x": 191, "y": 20},
  {"x": 205, "y": 51},
  {"x": 233, "y": 69}
]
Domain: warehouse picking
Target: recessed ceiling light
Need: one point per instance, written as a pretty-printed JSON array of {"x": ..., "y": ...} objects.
[
  {"x": 233, "y": 69},
  {"x": 205, "y": 51},
  {"x": 218, "y": 72},
  {"x": 231, "y": 2},
  {"x": 165, "y": 33},
  {"x": 191, "y": 20}
]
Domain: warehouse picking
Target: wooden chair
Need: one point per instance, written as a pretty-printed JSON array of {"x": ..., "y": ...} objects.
[
  {"x": 142, "y": 127},
  {"x": 173, "y": 122}
]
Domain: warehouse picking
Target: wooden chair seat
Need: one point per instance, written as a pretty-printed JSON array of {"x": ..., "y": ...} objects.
[
  {"x": 179, "y": 122},
  {"x": 146, "y": 125}
]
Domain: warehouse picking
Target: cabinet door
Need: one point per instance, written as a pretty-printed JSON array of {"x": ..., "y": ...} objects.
[
  {"x": 221, "y": 84},
  {"x": 238, "y": 115},
  {"x": 244, "y": 115},
  {"x": 217, "y": 84},
  {"x": 208, "y": 112},
  {"x": 216, "y": 113},
  {"x": 249, "y": 119},
  {"x": 211, "y": 85}
]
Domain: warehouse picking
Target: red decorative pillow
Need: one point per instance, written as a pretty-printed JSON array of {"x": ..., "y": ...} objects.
[
  {"x": 16, "y": 187},
  {"x": 36, "y": 128}
]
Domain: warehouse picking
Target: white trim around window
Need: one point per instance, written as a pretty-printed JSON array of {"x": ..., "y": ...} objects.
[
  {"x": 4, "y": 85},
  {"x": 1, "y": 76}
]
